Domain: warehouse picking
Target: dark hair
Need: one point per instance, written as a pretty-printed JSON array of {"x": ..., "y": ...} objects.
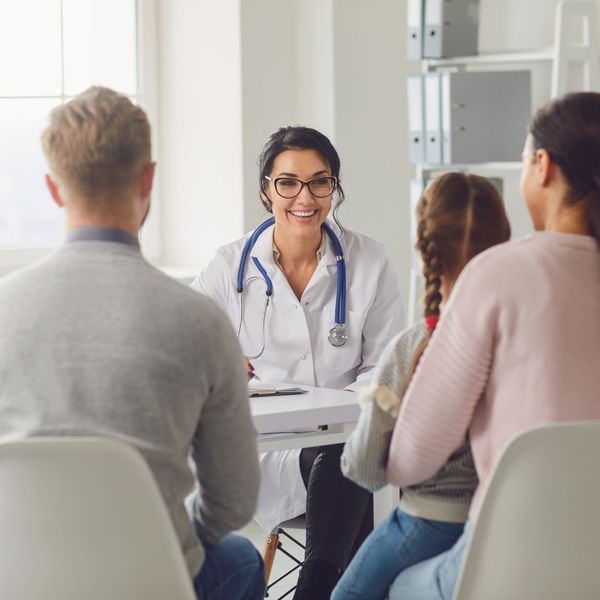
[
  {"x": 458, "y": 216},
  {"x": 299, "y": 138},
  {"x": 568, "y": 128}
]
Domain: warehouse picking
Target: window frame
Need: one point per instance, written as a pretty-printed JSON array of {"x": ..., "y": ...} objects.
[{"x": 13, "y": 257}]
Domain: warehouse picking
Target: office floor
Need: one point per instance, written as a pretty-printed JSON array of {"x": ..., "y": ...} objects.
[{"x": 282, "y": 563}]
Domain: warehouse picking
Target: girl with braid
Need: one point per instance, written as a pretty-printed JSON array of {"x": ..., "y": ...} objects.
[{"x": 458, "y": 216}]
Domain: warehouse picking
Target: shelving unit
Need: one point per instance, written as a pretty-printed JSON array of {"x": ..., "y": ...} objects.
[{"x": 566, "y": 50}]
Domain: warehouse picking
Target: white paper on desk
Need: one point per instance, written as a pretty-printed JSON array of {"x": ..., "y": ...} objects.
[
  {"x": 266, "y": 388},
  {"x": 257, "y": 384}
]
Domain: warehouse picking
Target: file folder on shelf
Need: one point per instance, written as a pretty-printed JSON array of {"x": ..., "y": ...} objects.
[
  {"x": 414, "y": 46},
  {"x": 433, "y": 119},
  {"x": 484, "y": 115},
  {"x": 450, "y": 28},
  {"x": 416, "y": 124}
]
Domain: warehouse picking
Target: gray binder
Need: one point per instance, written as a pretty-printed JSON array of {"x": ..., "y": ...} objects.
[
  {"x": 414, "y": 45},
  {"x": 416, "y": 121},
  {"x": 433, "y": 118},
  {"x": 451, "y": 28},
  {"x": 498, "y": 183},
  {"x": 484, "y": 115}
]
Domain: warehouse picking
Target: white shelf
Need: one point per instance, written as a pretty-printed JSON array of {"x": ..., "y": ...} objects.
[
  {"x": 492, "y": 166},
  {"x": 542, "y": 55}
]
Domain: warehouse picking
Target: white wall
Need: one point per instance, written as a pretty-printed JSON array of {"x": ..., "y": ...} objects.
[
  {"x": 370, "y": 122},
  {"x": 268, "y": 74},
  {"x": 200, "y": 154},
  {"x": 336, "y": 65},
  {"x": 234, "y": 71},
  {"x": 287, "y": 78}
]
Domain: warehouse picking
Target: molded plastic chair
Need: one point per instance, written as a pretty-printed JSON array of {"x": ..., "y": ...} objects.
[
  {"x": 538, "y": 533},
  {"x": 83, "y": 519}
]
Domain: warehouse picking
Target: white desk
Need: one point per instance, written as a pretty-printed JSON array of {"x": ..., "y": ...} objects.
[{"x": 335, "y": 411}]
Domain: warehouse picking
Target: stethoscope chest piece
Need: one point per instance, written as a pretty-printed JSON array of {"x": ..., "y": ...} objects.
[{"x": 337, "y": 335}]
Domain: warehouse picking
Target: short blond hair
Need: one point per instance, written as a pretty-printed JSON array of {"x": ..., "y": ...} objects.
[{"x": 98, "y": 142}]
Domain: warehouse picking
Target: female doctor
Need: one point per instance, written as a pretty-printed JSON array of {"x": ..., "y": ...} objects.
[{"x": 312, "y": 304}]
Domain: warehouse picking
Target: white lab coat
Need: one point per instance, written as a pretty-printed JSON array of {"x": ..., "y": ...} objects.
[{"x": 297, "y": 349}]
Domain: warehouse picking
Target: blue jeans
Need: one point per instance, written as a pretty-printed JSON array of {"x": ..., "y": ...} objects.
[
  {"x": 433, "y": 579},
  {"x": 399, "y": 542},
  {"x": 232, "y": 570}
]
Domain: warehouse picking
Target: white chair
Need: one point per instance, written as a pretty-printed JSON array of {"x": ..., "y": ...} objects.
[
  {"x": 83, "y": 519},
  {"x": 538, "y": 533}
]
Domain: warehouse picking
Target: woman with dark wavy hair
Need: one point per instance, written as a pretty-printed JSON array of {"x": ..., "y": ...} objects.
[{"x": 287, "y": 306}]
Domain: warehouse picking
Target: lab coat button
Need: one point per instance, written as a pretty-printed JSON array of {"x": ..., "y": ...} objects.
[
  {"x": 295, "y": 306},
  {"x": 303, "y": 357}
]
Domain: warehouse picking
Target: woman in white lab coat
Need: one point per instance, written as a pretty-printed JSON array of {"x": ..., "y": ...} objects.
[{"x": 284, "y": 316}]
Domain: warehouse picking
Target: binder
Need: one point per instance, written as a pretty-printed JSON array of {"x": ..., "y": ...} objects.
[
  {"x": 484, "y": 115},
  {"x": 498, "y": 183},
  {"x": 433, "y": 119},
  {"x": 416, "y": 124},
  {"x": 414, "y": 45},
  {"x": 450, "y": 28}
]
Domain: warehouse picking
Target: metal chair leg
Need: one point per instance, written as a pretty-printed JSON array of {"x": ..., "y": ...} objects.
[{"x": 272, "y": 544}]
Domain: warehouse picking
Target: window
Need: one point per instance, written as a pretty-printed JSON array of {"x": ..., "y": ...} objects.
[{"x": 50, "y": 50}]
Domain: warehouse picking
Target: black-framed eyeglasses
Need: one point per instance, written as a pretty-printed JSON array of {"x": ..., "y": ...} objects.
[{"x": 290, "y": 187}]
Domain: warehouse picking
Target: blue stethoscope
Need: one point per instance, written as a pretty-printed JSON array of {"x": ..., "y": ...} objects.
[{"x": 337, "y": 334}]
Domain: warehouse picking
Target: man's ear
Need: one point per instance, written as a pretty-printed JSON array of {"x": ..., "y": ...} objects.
[
  {"x": 53, "y": 189},
  {"x": 147, "y": 179}
]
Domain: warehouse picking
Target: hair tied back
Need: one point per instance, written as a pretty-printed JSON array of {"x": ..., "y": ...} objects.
[{"x": 431, "y": 322}]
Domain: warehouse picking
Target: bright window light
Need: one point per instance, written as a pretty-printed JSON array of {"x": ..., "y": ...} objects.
[
  {"x": 50, "y": 50},
  {"x": 99, "y": 45}
]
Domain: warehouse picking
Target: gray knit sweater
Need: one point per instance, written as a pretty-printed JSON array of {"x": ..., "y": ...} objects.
[
  {"x": 95, "y": 341},
  {"x": 444, "y": 497}
]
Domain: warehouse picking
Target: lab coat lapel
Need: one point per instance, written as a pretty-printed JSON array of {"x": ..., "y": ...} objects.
[
  {"x": 263, "y": 250},
  {"x": 328, "y": 264},
  {"x": 327, "y": 267}
]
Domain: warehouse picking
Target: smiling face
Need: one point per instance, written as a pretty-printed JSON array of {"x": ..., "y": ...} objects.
[{"x": 302, "y": 215}]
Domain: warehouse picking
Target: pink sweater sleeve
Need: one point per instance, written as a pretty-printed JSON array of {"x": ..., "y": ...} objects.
[{"x": 439, "y": 403}]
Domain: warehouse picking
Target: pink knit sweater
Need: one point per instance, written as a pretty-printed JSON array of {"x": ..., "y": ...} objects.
[{"x": 517, "y": 346}]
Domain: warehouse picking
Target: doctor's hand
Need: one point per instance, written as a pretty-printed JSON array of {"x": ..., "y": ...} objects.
[{"x": 249, "y": 368}]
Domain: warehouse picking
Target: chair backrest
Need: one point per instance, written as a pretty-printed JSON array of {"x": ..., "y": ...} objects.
[
  {"x": 83, "y": 518},
  {"x": 538, "y": 533}
]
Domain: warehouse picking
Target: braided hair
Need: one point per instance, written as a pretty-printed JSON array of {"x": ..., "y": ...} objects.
[
  {"x": 458, "y": 216},
  {"x": 432, "y": 265}
]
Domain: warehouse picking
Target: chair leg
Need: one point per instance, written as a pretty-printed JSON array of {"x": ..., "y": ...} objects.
[{"x": 269, "y": 553}]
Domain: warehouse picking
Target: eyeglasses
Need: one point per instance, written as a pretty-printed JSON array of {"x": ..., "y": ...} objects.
[{"x": 290, "y": 187}]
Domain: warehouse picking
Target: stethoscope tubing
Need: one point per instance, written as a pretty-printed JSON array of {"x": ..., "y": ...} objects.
[
  {"x": 246, "y": 251},
  {"x": 340, "y": 296}
]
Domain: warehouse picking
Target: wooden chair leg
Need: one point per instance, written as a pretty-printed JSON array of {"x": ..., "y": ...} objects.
[{"x": 269, "y": 554}]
